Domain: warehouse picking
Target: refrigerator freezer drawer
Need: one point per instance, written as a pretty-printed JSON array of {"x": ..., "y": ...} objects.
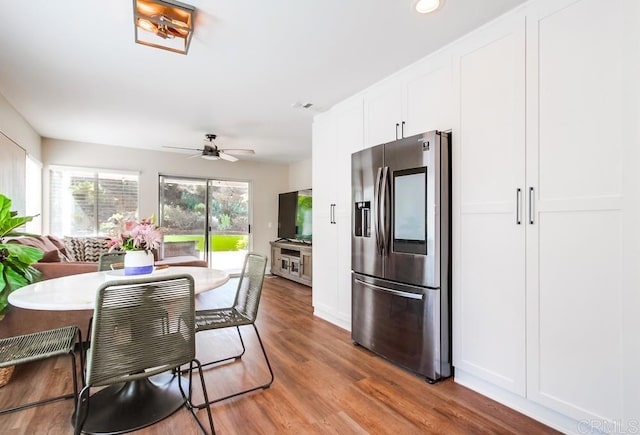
[{"x": 400, "y": 323}]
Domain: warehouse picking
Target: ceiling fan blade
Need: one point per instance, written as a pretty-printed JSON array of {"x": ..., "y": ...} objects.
[
  {"x": 227, "y": 157},
  {"x": 181, "y": 148},
  {"x": 238, "y": 151}
]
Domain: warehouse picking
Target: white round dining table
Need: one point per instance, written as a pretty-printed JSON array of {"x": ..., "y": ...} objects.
[{"x": 77, "y": 292}]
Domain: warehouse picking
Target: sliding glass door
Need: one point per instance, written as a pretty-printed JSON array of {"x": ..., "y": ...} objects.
[
  {"x": 207, "y": 218},
  {"x": 229, "y": 235}
]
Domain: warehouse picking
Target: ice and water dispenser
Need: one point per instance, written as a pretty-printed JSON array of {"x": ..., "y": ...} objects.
[{"x": 362, "y": 219}]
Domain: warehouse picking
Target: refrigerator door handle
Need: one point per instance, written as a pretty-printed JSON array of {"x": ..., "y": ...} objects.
[
  {"x": 378, "y": 211},
  {"x": 391, "y": 291},
  {"x": 385, "y": 200}
]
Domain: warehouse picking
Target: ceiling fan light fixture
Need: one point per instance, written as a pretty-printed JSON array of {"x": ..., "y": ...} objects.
[
  {"x": 164, "y": 24},
  {"x": 210, "y": 157},
  {"x": 427, "y": 6}
]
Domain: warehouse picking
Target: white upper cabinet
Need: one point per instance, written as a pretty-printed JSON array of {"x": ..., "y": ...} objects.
[
  {"x": 417, "y": 100},
  {"x": 349, "y": 124},
  {"x": 322, "y": 175},
  {"x": 428, "y": 96},
  {"x": 383, "y": 112},
  {"x": 488, "y": 214}
]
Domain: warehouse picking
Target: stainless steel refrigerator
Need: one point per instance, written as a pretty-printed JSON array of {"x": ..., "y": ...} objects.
[{"x": 401, "y": 252}]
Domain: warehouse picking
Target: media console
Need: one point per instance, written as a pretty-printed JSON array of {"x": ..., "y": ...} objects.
[{"x": 292, "y": 260}]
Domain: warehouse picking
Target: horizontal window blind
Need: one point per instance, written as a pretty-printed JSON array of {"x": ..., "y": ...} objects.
[{"x": 89, "y": 202}]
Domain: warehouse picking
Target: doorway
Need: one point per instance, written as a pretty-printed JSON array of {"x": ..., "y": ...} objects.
[{"x": 207, "y": 218}]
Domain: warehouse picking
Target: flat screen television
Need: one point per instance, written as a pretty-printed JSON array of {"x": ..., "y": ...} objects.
[{"x": 294, "y": 215}]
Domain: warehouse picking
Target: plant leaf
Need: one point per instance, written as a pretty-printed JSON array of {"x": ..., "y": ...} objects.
[{"x": 24, "y": 254}]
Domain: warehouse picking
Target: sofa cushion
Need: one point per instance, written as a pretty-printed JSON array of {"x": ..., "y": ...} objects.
[
  {"x": 51, "y": 254},
  {"x": 59, "y": 243}
]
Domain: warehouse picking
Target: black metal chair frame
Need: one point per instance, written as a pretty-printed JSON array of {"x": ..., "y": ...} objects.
[
  {"x": 240, "y": 320},
  {"x": 30, "y": 347}
]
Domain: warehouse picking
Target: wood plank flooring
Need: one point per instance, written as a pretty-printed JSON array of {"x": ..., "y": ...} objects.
[{"x": 323, "y": 383}]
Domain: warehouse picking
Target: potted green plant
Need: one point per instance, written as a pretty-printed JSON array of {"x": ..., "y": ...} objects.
[
  {"x": 15, "y": 263},
  {"x": 16, "y": 260}
]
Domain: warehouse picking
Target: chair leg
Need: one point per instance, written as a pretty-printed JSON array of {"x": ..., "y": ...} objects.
[
  {"x": 190, "y": 405},
  {"x": 207, "y": 403},
  {"x": 81, "y": 410}
]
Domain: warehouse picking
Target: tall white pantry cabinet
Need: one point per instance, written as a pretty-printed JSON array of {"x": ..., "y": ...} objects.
[
  {"x": 546, "y": 192},
  {"x": 336, "y": 135}
]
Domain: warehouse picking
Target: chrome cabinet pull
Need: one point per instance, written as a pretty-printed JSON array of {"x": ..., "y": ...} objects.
[
  {"x": 518, "y": 191},
  {"x": 530, "y": 205},
  {"x": 397, "y": 125},
  {"x": 332, "y": 213},
  {"x": 402, "y": 130}
]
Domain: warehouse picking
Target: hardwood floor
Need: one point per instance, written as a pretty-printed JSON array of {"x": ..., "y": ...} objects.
[{"x": 323, "y": 383}]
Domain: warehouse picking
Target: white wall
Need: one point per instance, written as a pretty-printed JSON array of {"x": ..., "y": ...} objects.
[
  {"x": 300, "y": 175},
  {"x": 16, "y": 128},
  {"x": 267, "y": 180}
]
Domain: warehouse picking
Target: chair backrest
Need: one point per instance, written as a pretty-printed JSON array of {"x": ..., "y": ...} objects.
[
  {"x": 141, "y": 327},
  {"x": 108, "y": 258},
  {"x": 250, "y": 286}
]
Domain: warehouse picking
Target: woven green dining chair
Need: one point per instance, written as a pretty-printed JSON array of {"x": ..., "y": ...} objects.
[
  {"x": 243, "y": 312},
  {"x": 106, "y": 261},
  {"x": 130, "y": 343},
  {"x": 39, "y": 346}
]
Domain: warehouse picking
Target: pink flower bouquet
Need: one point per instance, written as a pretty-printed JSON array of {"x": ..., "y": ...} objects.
[{"x": 137, "y": 236}]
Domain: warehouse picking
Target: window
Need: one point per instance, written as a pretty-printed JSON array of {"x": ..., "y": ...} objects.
[
  {"x": 33, "y": 196},
  {"x": 90, "y": 202}
]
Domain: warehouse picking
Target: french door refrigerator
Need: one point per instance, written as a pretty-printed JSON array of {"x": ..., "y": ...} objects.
[{"x": 401, "y": 252}]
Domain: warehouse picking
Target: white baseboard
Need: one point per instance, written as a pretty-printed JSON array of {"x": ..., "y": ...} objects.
[
  {"x": 537, "y": 412},
  {"x": 327, "y": 315}
]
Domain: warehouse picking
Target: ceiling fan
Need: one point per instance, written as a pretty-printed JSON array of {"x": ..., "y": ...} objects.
[{"x": 212, "y": 152}]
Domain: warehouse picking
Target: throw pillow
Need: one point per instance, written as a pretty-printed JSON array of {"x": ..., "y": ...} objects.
[
  {"x": 75, "y": 248},
  {"x": 94, "y": 246}
]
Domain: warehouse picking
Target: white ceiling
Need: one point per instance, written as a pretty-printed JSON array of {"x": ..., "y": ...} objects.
[{"x": 72, "y": 69}]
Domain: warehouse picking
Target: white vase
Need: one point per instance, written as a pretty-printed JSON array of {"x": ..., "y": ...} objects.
[{"x": 138, "y": 262}]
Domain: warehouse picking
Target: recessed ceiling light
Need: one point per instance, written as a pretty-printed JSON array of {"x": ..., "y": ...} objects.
[{"x": 426, "y": 6}]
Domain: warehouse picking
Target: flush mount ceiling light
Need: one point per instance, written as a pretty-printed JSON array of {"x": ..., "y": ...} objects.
[
  {"x": 165, "y": 24},
  {"x": 427, "y": 6}
]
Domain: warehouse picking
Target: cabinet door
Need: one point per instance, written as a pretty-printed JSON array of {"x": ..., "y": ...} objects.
[
  {"x": 489, "y": 243},
  {"x": 275, "y": 261},
  {"x": 349, "y": 124},
  {"x": 325, "y": 265},
  {"x": 383, "y": 112},
  {"x": 575, "y": 243},
  {"x": 323, "y": 168},
  {"x": 428, "y": 96},
  {"x": 306, "y": 266},
  {"x": 349, "y": 128}
]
